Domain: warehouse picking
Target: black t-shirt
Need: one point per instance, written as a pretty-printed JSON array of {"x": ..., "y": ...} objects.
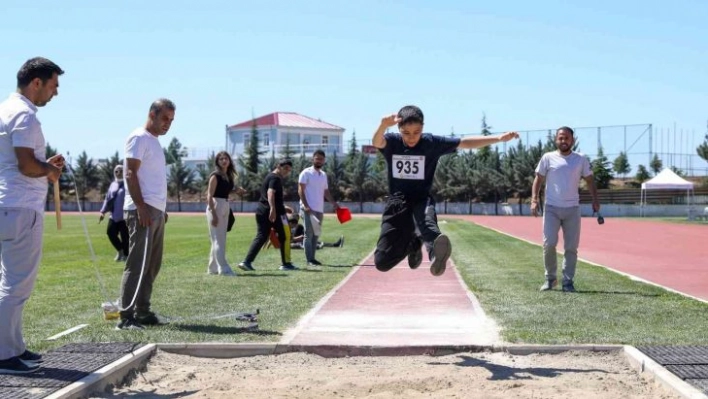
[
  {"x": 273, "y": 181},
  {"x": 411, "y": 169},
  {"x": 223, "y": 186},
  {"x": 297, "y": 231}
]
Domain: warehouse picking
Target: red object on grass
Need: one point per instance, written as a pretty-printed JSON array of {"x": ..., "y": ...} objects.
[
  {"x": 344, "y": 214},
  {"x": 274, "y": 239}
]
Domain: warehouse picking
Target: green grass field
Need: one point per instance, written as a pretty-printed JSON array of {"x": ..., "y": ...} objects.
[{"x": 503, "y": 272}]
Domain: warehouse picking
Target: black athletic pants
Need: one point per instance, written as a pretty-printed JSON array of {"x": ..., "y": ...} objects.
[{"x": 403, "y": 224}]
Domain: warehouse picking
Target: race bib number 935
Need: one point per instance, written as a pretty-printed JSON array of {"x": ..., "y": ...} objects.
[{"x": 411, "y": 167}]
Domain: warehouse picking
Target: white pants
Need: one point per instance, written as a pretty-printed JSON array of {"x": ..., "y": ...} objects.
[
  {"x": 217, "y": 234},
  {"x": 20, "y": 252}
]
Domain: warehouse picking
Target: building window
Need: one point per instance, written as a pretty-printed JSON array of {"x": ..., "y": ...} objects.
[
  {"x": 246, "y": 139},
  {"x": 266, "y": 140},
  {"x": 325, "y": 141}
]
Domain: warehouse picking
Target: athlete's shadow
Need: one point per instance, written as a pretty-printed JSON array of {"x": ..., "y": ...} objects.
[
  {"x": 222, "y": 330},
  {"x": 144, "y": 394},
  {"x": 500, "y": 372},
  {"x": 615, "y": 293}
]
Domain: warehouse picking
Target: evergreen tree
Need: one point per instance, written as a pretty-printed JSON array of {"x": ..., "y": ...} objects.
[
  {"x": 249, "y": 163},
  {"x": 335, "y": 176},
  {"x": 702, "y": 149},
  {"x": 180, "y": 178},
  {"x": 678, "y": 171},
  {"x": 202, "y": 175},
  {"x": 621, "y": 164},
  {"x": 656, "y": 165},
  {"x": 642, "y": 174},
  {"x": 107, "y": 171},
  {"x": 87, "y": 175},
  {"x": 601, "y": 170},
  {"x": 174, "y": 151}
]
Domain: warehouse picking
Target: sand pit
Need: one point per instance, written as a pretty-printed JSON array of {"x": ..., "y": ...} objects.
[{"x": 585, "y": 375}]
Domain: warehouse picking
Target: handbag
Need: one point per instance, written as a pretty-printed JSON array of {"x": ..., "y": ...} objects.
[{"x": 232, "y": 220}]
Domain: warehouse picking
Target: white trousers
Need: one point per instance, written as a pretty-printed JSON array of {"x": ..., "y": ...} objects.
[
  {"x": 217, "y": 234},
  {"x": 20, "y": 252}
]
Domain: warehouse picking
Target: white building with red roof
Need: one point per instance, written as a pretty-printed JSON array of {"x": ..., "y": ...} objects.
[{"x": 278, "y": 129}]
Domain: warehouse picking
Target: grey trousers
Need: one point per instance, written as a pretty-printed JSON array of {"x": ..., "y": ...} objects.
[
  {"x": 554, "y": 219},
  {"x": 151, "y": 251},
  {"x": 310, "y": 240},
  {"x": 217, "y": 235},
  {"x": 20, "y": 252}
]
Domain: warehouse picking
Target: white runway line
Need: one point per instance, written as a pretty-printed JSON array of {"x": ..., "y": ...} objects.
[{"x": 66, "y": 332}]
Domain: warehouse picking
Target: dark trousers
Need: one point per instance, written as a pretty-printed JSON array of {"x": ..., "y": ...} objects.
[
  {"x": 263, "y": 226},
  {"x": 145, "y": 243},
  {"x": 404, "y": 224},
  {"x": 118, "y": 235}
]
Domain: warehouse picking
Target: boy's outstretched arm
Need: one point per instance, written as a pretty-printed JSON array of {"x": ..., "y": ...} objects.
[
  {"x": 483, "y": 141},
  {"x": 386, "y": 122}
]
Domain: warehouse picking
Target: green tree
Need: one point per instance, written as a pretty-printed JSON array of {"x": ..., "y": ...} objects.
[
  {"x": 357, "y": 174},
  {"x": 524, "y": 165},
  {"x": 702, "y": 149},
  {"x": 174, "y": 151},
  {"x": 485, "y": 152},
  {"x": 621, "y": 164},
  {"x": 180, "y": 178},
  {"x": 678, "y": 171},
  {"x": 656, "y": 165},
  {"x": 106, "y": 171},
  {"x": 601, "y": 170},
  {"x": 335, "y": 176},
  {"x": 202, "y": 174},
  {"x": 250, "y": 162},
  {"x": 642, "y": 174},
  {"x": 87, "y": 175}
]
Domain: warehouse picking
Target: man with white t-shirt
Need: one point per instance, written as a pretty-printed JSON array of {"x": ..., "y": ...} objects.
[
  {"x": 145, "y": 204},
  {"x": 24, "y": 172},
  {"x": 313, "y": 188},
  {"x": 561, "y": 172}
]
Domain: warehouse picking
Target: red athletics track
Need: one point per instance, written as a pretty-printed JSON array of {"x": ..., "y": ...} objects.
[
  {"x": 398, "y": 308},
  {"x": 668, "y": 254}
]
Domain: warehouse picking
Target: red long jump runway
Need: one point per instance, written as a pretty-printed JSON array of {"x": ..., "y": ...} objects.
[
  {"x": 674, "y": 256},
  {"x": 401, "y": 307}
]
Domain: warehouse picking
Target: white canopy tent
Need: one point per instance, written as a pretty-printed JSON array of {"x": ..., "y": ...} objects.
[{"x": 667, "y": 180}]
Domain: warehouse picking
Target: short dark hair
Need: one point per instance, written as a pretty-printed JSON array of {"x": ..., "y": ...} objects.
[
  {"x": 410, "y": 114},
  {"x": 37, "y": 67},
  {"x": 565, "y": 129},
  {"x": 318, "y": 152},
  {"x": 161, "y": 103},
  {"x": 285, "y": 161}
]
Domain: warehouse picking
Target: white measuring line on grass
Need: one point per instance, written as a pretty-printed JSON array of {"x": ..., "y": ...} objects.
[{"x": 66, "y": 332}]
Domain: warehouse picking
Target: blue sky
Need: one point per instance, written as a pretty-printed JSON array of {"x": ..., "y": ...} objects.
[{"x": 527, "y": 65}]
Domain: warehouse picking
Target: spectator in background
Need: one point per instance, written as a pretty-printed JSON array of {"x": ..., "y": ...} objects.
[{"x": 117, "y": 230}]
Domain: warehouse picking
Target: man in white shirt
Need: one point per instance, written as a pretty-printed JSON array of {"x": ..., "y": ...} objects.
[
  {"x": 24, "y": 173},
  {"x": 145, "y": 205},
  {"x": 561, "y": 172},
  {"x": 313, "y": 188}
]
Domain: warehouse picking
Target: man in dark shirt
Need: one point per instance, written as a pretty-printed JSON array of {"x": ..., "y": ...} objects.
[
  {"x": 409, "y": 216},
  {"x": 271, "y": 215}
]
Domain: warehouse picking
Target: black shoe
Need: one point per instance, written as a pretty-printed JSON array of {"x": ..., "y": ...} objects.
[
  {"x": 339, "y": 243},
  {"x": 148, "y": 319},
  {"x": 549, "y": 284},
  {"x": 246, "y": 266},
  {"x": 315, "y": 262},
  {"x": 28, "y": 356},
  {"x": 288, "y": 267},
  {"x": 568, "y": 287},
  {"x": 14, "y": 365},
  {"x": 441, "y": 253},
  {"x": 415, "y": 258},
  {"x": 129, "y": 324}
]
